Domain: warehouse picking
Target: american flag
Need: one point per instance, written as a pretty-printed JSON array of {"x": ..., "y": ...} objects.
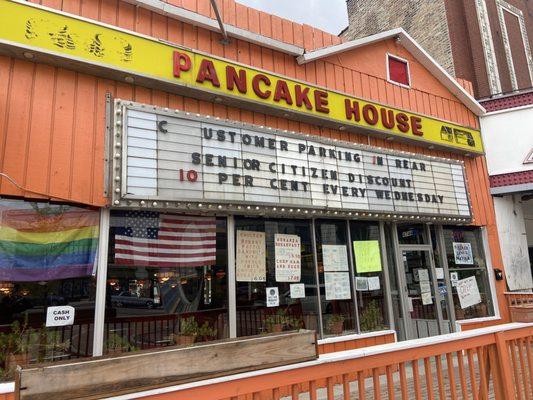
[{"x": 164, "y": 240}]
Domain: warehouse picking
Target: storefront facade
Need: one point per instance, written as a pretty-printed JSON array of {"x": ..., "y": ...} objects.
[{"x": 175, "y": 186}]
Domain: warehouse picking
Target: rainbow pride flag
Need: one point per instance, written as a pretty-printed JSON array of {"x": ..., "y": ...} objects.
[{"x": 42, "y": 242}]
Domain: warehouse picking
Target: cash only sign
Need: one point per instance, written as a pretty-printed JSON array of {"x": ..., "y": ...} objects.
[{"x": 88, "y": 45}]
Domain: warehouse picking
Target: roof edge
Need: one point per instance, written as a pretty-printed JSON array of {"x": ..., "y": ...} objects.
[{"x": 415, "y": 49}]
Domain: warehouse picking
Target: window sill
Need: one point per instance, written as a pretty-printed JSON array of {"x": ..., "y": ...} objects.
[{"x": 356, "y": 336}]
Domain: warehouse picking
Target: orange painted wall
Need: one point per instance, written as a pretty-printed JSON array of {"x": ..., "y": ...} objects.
[
  {"x": 355, "y": 344},
  {"x": 52, "y": 120}
]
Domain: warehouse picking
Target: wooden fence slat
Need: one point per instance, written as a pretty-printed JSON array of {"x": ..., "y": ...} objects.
[
  {"x": 390, "y": 383},
  {"x": 440, "y": 377},
  {"x": 377, "y": 386},
  {"x": 472, "y": 373},
  {"x": 483, "y": 378},
  {"x": 331, "y": 395},
  {"x": 451, "y": 375},
  {"x": 346, "y": 387},
  {"x": 361, "y": 385},
  {"x": 312, "y": 390},
  {"x": 529, "y": 360},
  {"x": 429, "y": 379},
  {"x": 524, "y": 380},
  {"x": 403, "y": 381},
  {"x": 504, "y": 364},
  {"x": 462, "y": 375},
  {"x": 416, "y": 380},
  {"x": 514, "y": 367}
]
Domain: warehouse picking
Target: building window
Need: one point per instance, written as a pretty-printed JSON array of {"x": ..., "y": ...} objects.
[
  {"x": 47, "y": 264},
  {"x": 166, "y": 280},
  {"x": 398, "y": 71},
  {"x": 275, "y": 273},
  {"x": 464, "y": 252}
]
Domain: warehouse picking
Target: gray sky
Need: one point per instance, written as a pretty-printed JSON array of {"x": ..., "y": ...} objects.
[{"x": 328, "y": 15}]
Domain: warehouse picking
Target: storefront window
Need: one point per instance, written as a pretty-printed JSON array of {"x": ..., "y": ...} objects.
[
  {"x": 369, "y": 279},
  {"x": 412, "y": 234},
  {"x": 166, "y": 280},
  {"x": 47, "y": 288},
  {"x": 464, "y": 252},
  {"x": 336, "y": 289},
  {"x": 276, "y": 279}
]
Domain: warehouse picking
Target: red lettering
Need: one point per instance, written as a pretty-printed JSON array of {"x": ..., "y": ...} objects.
[
  {"x": 403, "y": 122},
  {"x": 352, "y": 110},
  {"x": 282, "y": 92},
  {"x": 257, "y": 89},
  {"x": 302, "y": 97},
  {"x": 182, "y": 62},
  {"x": 192, "y": 175},
  {"x": 233, "y": 79},
  {"x": 370, "y": 114},
  {"x": 207, "y": 72},
  {"x": 416, "y": 126},
  {"x": 387, "y": 118},
  {"x": 321, "y": 101}
]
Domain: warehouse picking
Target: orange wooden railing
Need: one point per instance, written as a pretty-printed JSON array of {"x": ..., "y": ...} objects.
[
  {"x": 494, "y": 362},
  {"x": 520, "y": 306}
]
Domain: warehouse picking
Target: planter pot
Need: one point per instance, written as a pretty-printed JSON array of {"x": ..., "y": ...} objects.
[
  {"x": 276, "y": 328},
  {"x": 184, "y": 340},
  {"x": 336, "y": 328},
  {"x": 13, "y": 360}
]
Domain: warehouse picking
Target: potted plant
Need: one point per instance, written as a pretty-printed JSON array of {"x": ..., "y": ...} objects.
[
  {"x": 188, "y": 332},
  {"x": 116, "y": 344},
  {"x": 370, "y": 319},
  {"x": 334, "y": 324},
  {"x": 277, "y": 322},
  {"x": 16, "y": 344},
  {"x": 206, "y": 332}
]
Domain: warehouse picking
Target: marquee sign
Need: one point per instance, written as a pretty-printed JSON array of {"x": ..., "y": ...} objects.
[
  {"x": 175, "y": 157},
  {"x": 98, "y": 48}
]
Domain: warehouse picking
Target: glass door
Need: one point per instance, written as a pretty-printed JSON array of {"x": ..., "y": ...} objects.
[{"x": 421, "y": 299}]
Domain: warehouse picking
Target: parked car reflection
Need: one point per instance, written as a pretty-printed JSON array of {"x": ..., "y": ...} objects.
[{"x": 127, "y": 299}]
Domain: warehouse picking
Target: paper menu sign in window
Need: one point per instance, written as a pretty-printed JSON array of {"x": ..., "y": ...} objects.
[
  {"x": 297, "y": 290},
  {"x": 288, "y": 257},
  {"x": 463, "y": 253},
  {"x": 334, "y": 257},
  {"x": 425, "y": 287},
  {"x": 468, "y": 292},
  {"x": 367, "y": 256},
  {"x": 373, "y": 283},
  {"x": 337, "y": 285},
  {"x": 427, "y": 298},
  {"x": 250, "y": 258},
  {"x": 423, "y": 275}
]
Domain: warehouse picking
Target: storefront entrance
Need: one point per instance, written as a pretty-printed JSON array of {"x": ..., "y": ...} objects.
[{"x": 423, "y": 287}]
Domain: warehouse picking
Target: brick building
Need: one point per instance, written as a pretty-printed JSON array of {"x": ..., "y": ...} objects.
[{"x": 487, "y": 42}]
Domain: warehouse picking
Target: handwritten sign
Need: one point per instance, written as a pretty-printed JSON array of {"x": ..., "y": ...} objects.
[
  {"x": 335, "y": 257},
  {"x": 251, "y": 259},
  {"x": 468, "y": 292},
  {"x": 60, "y": 316},
  {"x": 463, "y": 253},
  {"x": 288, "y": 257},
  {"x": 367, "y": 256},
  {"x": 337, "y": 285}
]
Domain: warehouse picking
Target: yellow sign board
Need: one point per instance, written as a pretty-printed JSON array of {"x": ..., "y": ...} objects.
[
  {"x": 367, "y": 256},
  {"x": 32, "y": 27}
]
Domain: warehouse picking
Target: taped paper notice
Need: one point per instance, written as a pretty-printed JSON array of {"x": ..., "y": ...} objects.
[
  {"x": 410, "y": 307},
  {"x": 425, "y": 287},
  {"x": 463, "y": 253},
  {"x": 367, "y": 256},
  {"x": 337, "y": 285},
  {"x": 272, "y": 294},
  {"x": 454, "y": 277},
  {"x": 440, "y": 273},
  {"x": 427, "y": 299},
  {"x": 288, "y": 257},
  {"x": 297, "y": 290},
  {"x": 468, "y": 292},
  {"x": 373, "y": 283},
  {"x": 361, "y": 283},
  {"x": 334, "y": 257},
  {"x": 423, "y": 274},
  {"x": 251, "y": 260}
]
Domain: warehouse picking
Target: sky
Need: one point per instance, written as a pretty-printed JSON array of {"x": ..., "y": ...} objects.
[{"x": 328, "y": 15}]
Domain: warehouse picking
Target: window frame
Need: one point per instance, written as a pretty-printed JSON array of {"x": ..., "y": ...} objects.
[{"x": 388, "y": 56}]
